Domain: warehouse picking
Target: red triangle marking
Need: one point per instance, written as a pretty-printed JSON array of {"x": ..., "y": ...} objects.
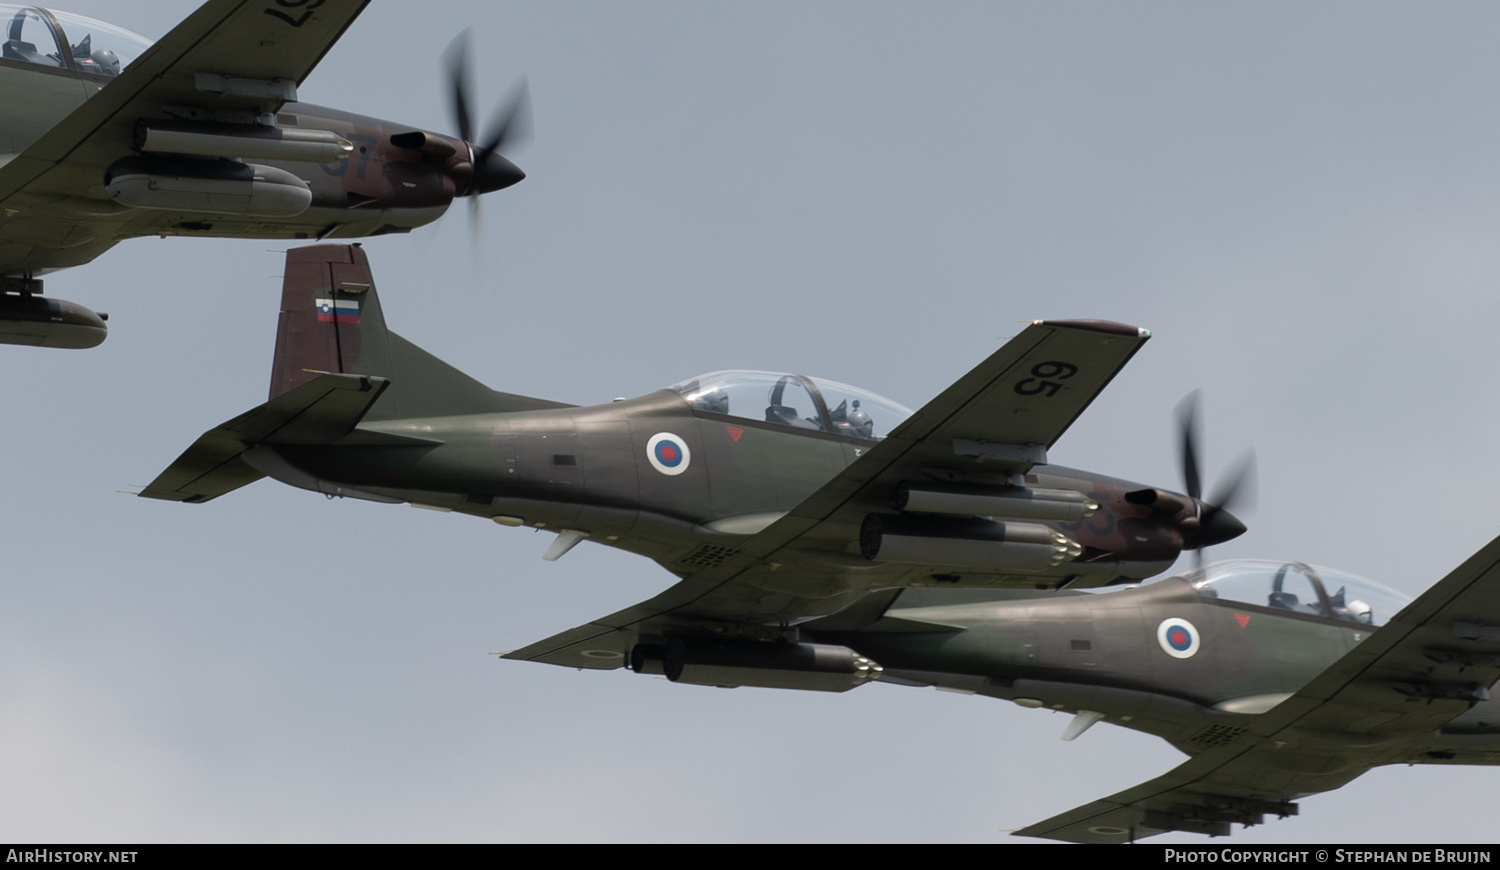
[
  {"x": 1242, "y": 618},
  {"x": 735, "y": 432}
]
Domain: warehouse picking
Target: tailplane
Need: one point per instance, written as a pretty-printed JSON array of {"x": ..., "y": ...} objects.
[
  {"x": 322, "y": 410},
  {"x": 331, "y": 322}
]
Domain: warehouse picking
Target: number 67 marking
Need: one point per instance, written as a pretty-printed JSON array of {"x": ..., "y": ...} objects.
[{"x": 1042, "y": 379}]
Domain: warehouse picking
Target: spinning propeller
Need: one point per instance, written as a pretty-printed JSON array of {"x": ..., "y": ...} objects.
[
  {"x": 509, "y": 125},
  {"x": 1214, "y": 524}
]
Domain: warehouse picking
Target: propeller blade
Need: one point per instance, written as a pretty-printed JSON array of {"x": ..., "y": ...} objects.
[
  {"x": 476, "y": 225},
  {"x": 511, "y": 121},
  {"x": 1238, "y": 485},
  {"x": 511, "y": 124},
  {"x": 459, "y": 76},
  {"x": 1217, "y": 524},
  {"x": 1188, "y": 444}
]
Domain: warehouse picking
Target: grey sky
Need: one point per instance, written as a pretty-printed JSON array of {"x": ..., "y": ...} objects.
[{"x": 1302, "y": 202}]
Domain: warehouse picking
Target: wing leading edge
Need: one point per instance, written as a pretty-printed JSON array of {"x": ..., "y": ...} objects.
[
  {"x": 1382, "y": 703},
  {"x": 1005, "y": 413}
]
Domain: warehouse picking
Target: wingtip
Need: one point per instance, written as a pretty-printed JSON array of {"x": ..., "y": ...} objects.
[{"x": 1108, "y": 327}]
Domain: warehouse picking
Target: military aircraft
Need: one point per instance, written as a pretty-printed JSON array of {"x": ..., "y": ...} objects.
[
  {"x": 106, "y": 136},
  {"x": 809, "y": 492},
  {"x": 825, "y": 537}
]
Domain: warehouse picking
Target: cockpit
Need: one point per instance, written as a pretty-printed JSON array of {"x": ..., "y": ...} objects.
[
  {"x": 794, "y": 401},
  {"x": 62, "y": 40},
  {"x": 1295, "y": 587}
]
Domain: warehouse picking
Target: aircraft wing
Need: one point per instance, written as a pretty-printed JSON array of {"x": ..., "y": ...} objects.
[
  {"x": 221, "y": 60},
  {"x": 998, "y": 419},
  {"x": 1001, "y": 418},
  {"x": 1382, "y": 703}
]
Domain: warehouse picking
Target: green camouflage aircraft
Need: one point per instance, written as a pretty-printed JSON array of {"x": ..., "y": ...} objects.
[
  {"x": 105, "y": 136},
  {"x": 824, "y": 537}
]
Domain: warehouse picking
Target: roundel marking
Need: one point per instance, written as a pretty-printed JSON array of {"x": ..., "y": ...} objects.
[
  {"x": 1178, "y": 637},
  {"x": 668, "y": 453}
]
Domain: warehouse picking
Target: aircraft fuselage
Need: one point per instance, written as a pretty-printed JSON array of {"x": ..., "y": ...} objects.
[
  {"x": 589, "y": 469},
  {"x": 379, "y": 189}
]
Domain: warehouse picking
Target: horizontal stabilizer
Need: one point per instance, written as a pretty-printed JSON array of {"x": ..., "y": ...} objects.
[{"x": 320, "y": 411}]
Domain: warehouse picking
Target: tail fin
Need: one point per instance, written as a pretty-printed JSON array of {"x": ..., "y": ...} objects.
[{"x": 331, "y": 322}]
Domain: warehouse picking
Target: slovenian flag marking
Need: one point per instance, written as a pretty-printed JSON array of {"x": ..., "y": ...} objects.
[{"x": 337, "y": 310}]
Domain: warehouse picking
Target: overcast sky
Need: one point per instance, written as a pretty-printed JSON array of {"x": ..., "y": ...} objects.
[{"x": 1302, "y": 202}]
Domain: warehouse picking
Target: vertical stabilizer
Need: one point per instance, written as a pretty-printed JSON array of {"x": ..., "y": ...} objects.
[
  {"x": 330, "y": 318},
  {"x": 331, "y": 322}
]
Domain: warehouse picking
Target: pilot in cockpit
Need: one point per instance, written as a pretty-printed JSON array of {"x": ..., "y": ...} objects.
[
  {"x": 101, "y": 62},
  {"x": 104, "y": 62},
  {"x": 1350, "y": 611},
  {"x": 849, "y": 420}
]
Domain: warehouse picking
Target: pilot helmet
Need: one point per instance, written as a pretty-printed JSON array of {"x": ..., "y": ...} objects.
[
  {"x": 860, "y": 422},
  {"x": 108, "y": 61}
]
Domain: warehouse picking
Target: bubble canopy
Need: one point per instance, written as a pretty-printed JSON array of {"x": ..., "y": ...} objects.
[
  {"x": 62, "y": 40},
  {"x": 794, "y": 401},
  {"x": 1296, "y": 587}
]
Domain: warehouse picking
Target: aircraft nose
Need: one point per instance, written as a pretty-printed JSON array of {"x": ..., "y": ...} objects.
[
  {"x": 1217, "y": 526},
  {"x": 495, "y": 173}
]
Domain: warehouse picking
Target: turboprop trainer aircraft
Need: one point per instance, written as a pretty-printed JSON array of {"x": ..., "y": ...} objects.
[
  {"x": 824, "y": 537},
  {"x": 105, "y": 136},
  {"x": 805, "y": 493}
]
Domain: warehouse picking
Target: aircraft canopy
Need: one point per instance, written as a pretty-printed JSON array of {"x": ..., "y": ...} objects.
[
  {"x": 1300, "y": 588},
  {"x": 62, "y": 40},
  {"x": 795, "y": 401}
]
